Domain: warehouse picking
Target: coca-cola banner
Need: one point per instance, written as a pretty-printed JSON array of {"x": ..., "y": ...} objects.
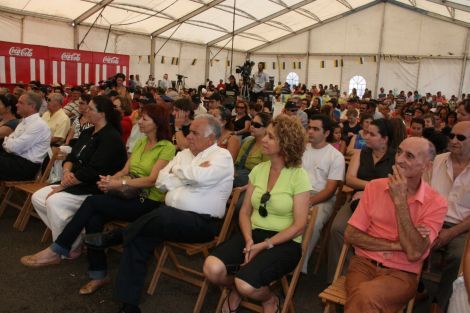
[
  {"x": 22, "y": 63},
  {"x": 70, "y": 67},
  {"x": 109, "y": 64}
]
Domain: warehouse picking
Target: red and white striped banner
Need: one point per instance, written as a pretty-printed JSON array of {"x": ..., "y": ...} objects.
[
  {"x": 70, "y": 67},
  {"x": 21, "y": 63},
  {"x": 109, "y": 64}
]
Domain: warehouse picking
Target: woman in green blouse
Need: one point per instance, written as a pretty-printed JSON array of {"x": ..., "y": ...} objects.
[
  {"x": 251, "y": 153},
  {"x": 151, "y": 154},
  {"x": 272, "y": 219}
]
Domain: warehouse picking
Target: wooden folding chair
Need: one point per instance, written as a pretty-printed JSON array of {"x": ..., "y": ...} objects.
[
  {"x": 29, "y": 188},
  {"x": 288, "y": 287},
  {"x": 336, "y": 292},
  {"x": 187, "y": 274},
  {"x": 342, "y": 196}
]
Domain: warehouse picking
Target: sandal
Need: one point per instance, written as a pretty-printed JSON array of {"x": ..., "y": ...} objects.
[{"x": 227, "y": 299}]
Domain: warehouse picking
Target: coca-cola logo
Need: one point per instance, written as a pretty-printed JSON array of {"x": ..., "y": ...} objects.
[
  {"x": 70, "y": 56},
  {"x": 18, "y": 52},
  {"x": 111, "y": 60}
]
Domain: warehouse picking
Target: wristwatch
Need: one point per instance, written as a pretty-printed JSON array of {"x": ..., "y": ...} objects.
[{"x": 269, "y": 242}]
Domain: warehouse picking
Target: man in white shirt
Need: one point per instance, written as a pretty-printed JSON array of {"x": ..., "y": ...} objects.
[
  {"x": 325, "y": 167},
  {"x": 56, "y": 119},
  {"x": 260, "y": 83},
  {"x": 451, "y": 178},
  {"x": 164, "y": 83},
  {"x": 25, "y": 149},
  {"x": 199, "y": 182}
]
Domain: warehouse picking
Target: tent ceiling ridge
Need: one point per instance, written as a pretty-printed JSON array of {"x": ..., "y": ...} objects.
[
  {"x": 186, "y": 17},
  {"x": 261, "y": 21}
]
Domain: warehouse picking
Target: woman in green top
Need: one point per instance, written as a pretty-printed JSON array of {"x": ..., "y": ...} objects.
[
  {"x": 149, "y": 156},
  {"x": 272, "y": 220},
  {"x": 250, "y": 153}
]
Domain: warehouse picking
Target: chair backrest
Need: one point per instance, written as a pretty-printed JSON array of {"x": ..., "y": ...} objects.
[
  {"x": 228, "y": 215},
  {"x": 45, "y": 174},
  {"x": 342, "y": 259},
  {"x": 312, "y": 216}
]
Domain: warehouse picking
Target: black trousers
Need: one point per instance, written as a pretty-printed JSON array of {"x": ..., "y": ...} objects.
[
  {"x": 94, "y": 213},
  {"x": 164, "y": 223},
  {"x": 14, "y": 167}
]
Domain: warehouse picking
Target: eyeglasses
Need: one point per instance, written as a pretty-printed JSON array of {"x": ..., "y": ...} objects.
[
  {"x": 240, "y": 107},
  {"x": 256, "y": 125},
  {"x": 459, "y": 137},
  {"x": 293, "y": 110},
  {"x": 262, "y": 206}
]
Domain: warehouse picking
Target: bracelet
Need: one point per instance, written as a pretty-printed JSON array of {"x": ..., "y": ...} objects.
[{"x": 269, "y": 242}]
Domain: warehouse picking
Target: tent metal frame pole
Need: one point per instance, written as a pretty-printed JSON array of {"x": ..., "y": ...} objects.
[
  {"x": 307, "y": 62},
  {"x": 379, "y": 53},
  {"x": 341, "y": 75},
  {"x": 179, "y": 59},
  {"x": 419, "y": 73},
  {"x": 153, "y": 41},
  {"x": 207, "y": 63},
  {"x": 464, "y": 62},
  {"x": 22, "y": 30}
]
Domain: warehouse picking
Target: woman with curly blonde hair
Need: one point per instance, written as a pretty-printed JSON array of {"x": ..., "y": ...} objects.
[{"x": 272, "y": 219}]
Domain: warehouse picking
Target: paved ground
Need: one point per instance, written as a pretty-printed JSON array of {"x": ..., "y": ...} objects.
[{"x": 55, "y": 289}]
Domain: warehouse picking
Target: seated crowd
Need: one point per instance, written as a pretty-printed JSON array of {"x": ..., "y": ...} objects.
[{"x": 166, "y": 161}]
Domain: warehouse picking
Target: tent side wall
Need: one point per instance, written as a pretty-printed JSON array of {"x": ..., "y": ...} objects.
[{"x": 418, "y": 52}]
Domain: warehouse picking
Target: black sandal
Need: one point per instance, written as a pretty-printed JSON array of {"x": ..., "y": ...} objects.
[{"x": 227, "y": 299}]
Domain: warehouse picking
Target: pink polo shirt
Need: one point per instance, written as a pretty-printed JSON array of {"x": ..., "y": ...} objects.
[{"x": 375, "y": 215}]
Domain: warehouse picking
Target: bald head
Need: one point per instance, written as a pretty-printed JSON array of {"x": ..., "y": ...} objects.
[
  {"x": 414, "y": 156},
  {"x": 462, "y": 128},
  {"x": 458, "y": 147}
]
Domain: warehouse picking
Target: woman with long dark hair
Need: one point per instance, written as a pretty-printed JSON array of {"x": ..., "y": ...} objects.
[
  {"x": 98, "y": 151},
  {"x": 149, "y": 156}
]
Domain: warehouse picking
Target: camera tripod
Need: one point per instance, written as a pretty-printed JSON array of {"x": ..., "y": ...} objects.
[
  {"x": 245, "y": 92},
  {"x": 180, "y": 83}
]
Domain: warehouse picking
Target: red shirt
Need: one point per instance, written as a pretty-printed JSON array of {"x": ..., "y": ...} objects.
[
  {"x": 126, "y": 125},
  {"x": 375, "y": 215}
]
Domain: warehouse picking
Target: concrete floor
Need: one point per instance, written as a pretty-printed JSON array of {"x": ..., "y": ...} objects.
[{"x": 55, "y": 289}]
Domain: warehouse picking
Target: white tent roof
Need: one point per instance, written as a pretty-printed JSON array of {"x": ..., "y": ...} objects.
[{"x": 210, "y": 22}]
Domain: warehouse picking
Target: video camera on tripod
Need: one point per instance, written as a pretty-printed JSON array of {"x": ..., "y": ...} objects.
[{"x": 245, "y": 70}]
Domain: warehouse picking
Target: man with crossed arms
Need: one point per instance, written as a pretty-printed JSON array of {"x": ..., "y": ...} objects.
[{"x": 391, "y": 231}]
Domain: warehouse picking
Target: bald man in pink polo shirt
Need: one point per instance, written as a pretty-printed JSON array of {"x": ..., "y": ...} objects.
[{"x": 391, "y": 231}]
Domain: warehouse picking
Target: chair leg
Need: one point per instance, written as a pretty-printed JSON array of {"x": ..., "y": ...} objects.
[
  {"x": 288, "y": 305},
  {"x": 223, "y": 295},
  {"x": 5, "y": 200},
  {"x": 25, "y": 213},
  {"x": 157, "y": 273},
  {"x": 201, "y": 297},
  {"x": 47, "y": 235}
]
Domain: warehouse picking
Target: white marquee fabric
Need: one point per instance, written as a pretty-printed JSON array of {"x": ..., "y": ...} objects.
[
  {"x": 208, "y": 21},
  {"x": 417, "y": 44}
]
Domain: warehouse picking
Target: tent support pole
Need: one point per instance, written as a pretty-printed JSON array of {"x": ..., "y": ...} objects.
[
  {"x": 152, "y": 55},
  {"x": 464, "y": 63},
  {"x": 417, "y": 75},
  {"x": 307, "y": 62},
  {"x": 22, "y": 30},
  {"x": 179, "y": 58},
  {"x": 341, "y": 76},
  {"x": 75, "y": 38},
  {"x": 379, "y": 53},
  {"x": 207, "y": 63}
]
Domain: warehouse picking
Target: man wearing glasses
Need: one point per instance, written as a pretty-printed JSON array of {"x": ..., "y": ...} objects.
[
  {"x": 451, "y": 178},
  {"x": 291, "y": 108},
  {"x": 56, "y": 119}
]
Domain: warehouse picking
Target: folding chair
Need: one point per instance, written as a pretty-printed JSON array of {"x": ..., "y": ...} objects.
[
  {"x": 288, "y": 287},
  {"x": 187, "y": 274},
  {"x": 29, "y": 188},
  {"x": 342, "y": 196},
  {"x": 336, "y": 292}
]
